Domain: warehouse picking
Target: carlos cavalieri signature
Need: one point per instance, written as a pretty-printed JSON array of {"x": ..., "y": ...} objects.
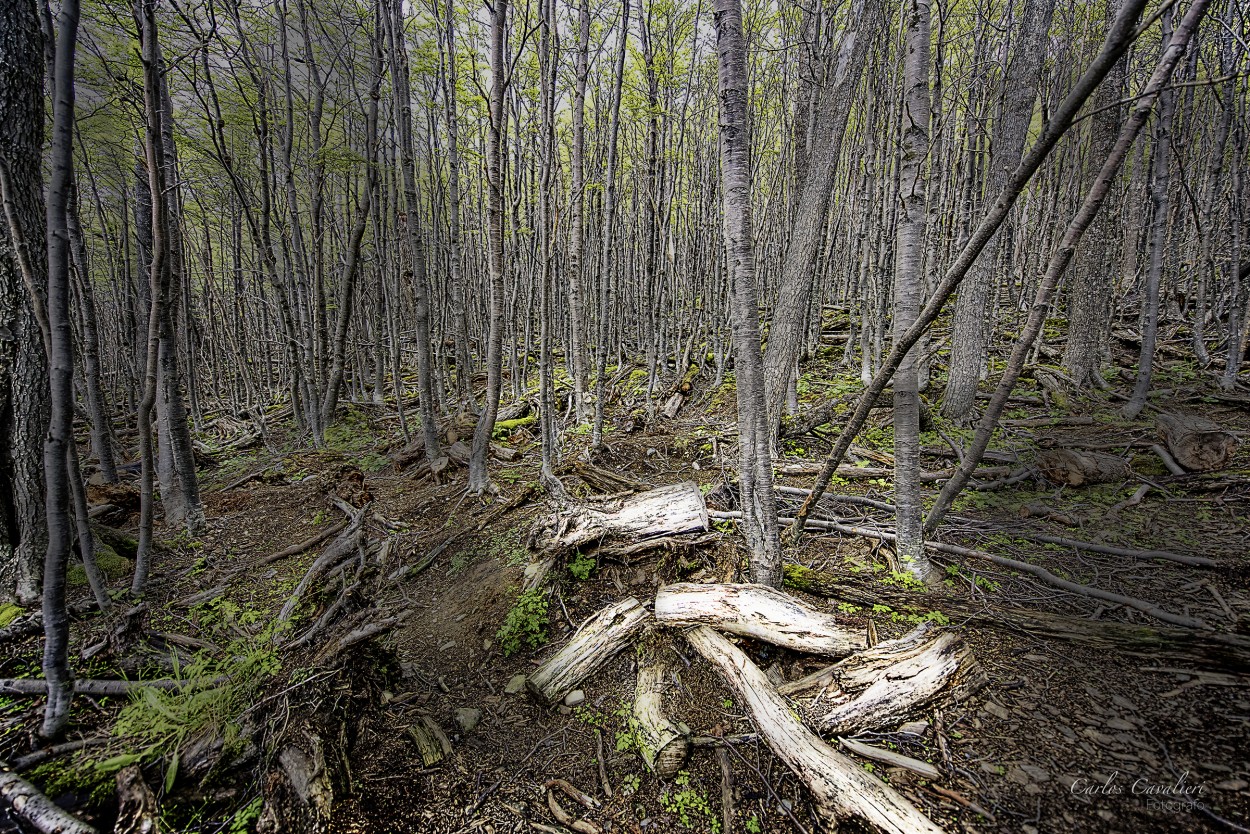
[{"x": 1175, "y": 795}]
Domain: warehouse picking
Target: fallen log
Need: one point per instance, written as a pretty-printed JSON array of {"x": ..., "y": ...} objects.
[
  {"x": 104, "y": 688},
  {"x": 758, "y": 612},
  {"x": 1196, "y": 443},
  {"x": 840, "y": 788},
  {"x": 1072, "y": 467},
  {"x": 656, "y": 512},
  {"x": 664, "y": 747},
  {"x": 594, "y": 644},
  {"x": 31, "y": 806},
  {"x": 432, "y": 743},
  {"x": 849, "y": 471}
]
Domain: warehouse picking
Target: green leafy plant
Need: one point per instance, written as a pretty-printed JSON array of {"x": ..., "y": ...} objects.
[
  {"x": 526, "y": 623},
  {"x": 689, "y": 805},
  {"x": 582, "y": 566}
]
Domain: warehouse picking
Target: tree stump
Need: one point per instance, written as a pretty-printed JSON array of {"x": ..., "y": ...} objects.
[
  {"x": 1196, "y": 443},
  {"x": 664, "y": 747}
]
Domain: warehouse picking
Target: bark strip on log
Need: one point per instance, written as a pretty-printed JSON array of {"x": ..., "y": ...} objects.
[
  {"x": 758, "y": 612},
  {"x": 30, "y": 805},
  {"x": 594, "y": 644},
  {"x": 1196, "y": 443},
  {"x": 840, "y": 788}
]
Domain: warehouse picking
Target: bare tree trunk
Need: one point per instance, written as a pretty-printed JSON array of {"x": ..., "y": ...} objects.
[
  {"x": 909, "y": 287},
  {"x": 23, "y": 252},
  {"x": 455, "y": 282},
  {"x": 811, "y": 217},
  {"x": 1160, "y": 204},
  {"x": 973, "y": 315},
  {"x": 577, "y": 313},
  {"x": 60, "y": 438},
  {"x": 755, "y": 468},
  {"x": 479, "y": 478}
]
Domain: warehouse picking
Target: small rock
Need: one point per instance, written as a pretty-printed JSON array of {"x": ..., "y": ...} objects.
[
  {"x": 1107, "y": 815},
  {"x": 683, "y": 728},
  {"x": 486, "y": 645},
  {"x": 1120, "y": 724},
  {"x": 515, "y": 684},
  {"x": 574, "y": 698},
  {"x": 1018, "y": 776},
  {"x": 995, "y": 709},
  {"x": 1032, "y": 789},
  {"x": 915, "y": 728},
  {"x": 468, "y": 718},
  {"x": 1035, "y": 773},
  {"x": 786, "y": 806},
  {"x": 1231, "y": 785},
  {"x": 565, "y": 710},
  {"x": 1028, "y": 829}
]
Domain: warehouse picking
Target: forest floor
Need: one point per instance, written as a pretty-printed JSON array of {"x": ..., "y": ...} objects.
[{"x": 1066, "y": 736}]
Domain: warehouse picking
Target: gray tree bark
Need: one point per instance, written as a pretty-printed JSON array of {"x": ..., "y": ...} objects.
[{"x": 755, "y": 470}]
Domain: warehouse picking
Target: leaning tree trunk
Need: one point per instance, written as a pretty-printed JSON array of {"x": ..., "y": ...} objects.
[{"x": 755, "y": 470}]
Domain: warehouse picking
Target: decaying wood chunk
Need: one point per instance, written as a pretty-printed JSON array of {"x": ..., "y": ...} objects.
[
  {"x": 895, "y": 679},
  {"x": 594, "y": 644},
  {"x": 840, "y": 788},
  {"x": 1196, "y": 443},
  {"x": 299, "y": 795},
  {"x": 137, "y": 811},
  {"x": 432, "y": 743},
  {"x": 756, "y": 611},
  {"x": 656, "y": 512},
  {"x": 664, "y": 747},
  {"x": 1074, "y": 467}
]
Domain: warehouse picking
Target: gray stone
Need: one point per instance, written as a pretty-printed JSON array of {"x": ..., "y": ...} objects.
[
  {"x": 468, "y": 718},
  {"x": 515, "y": 684},
  {"x": 574, "y": 698}
]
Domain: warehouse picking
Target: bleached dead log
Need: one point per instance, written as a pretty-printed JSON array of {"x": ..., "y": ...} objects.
[
  {"x": 863, "y": 668},
  {"x": 1073, "y": 467},
  {"x": 664, "y": 747},
  {"x": 840, "y": 788},
  {"x": 756, "y": 611},
  {"x": 944, "y": 665},
  {"x": 594, "y": 644},
  {"x": 656, "y": 512},
  {"x": 32, "y": 807},
  {"x": 1196, "y": 443}
]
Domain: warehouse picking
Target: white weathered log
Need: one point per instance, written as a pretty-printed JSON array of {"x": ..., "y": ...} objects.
[
  {"x": 755, "y": 611},
  {"x": 891, "y": 758},
  {"x": 1196, "y": 443},
  {"x": 840, "y": 788},
  {"x": 863, "y": 668},
  {"x": 943, "y": 665},
  {"x": 30, "y": 805},
  {"x": 591, "y": 646},
  {"x": 664, "y": 747},
  {"x": 656, "y": 512}
]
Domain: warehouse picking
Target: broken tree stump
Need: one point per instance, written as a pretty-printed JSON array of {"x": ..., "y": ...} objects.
[
  {"x": 137, "y": 809},
  {"x": 1196, "y": 443},
  {"x": 897, "y": 678},
  {"x": 840, "y": 788},
  {"x": 594, "y": 644},
  {"x": 656, "y": 512},
  {"x": 664, "y": 747},
  {"x": 1073, "y": 467},
  {"x": 758, "y": 612}
]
